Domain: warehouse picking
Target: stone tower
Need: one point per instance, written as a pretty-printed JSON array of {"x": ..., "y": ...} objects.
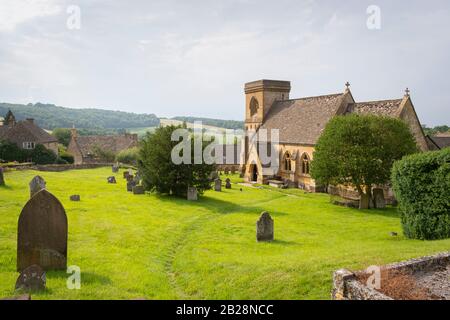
[
  {"x": 259, "y": 97},
  {"x": 10, "y": 119}
]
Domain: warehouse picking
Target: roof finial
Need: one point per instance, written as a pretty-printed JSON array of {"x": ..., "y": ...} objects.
[
  {"x": 407, "y": 92},
  {"x": 347, "y": 85}
]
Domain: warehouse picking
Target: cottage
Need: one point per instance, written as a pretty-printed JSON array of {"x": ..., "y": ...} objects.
[
  {"x": 26, "y": 134},
  {"x": 300, "y": 123},
  {"x": 82, "y": 148}
]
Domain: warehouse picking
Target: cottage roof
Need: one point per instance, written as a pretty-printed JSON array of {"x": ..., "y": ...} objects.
[{"x": 114, "y": 144}]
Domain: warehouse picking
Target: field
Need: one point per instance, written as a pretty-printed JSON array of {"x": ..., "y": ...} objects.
[{"x": 160, "y": 247}]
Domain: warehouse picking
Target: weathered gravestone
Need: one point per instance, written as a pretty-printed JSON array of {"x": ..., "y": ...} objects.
[
  {"x": 31, "y": 279},
  {"x": 218, "y": 185},
  {"x": 42, "y": 233},
  {"x": 364, "y": 202},
  {"x": 130, "y": 177},
  {"x": 228, "y": 183},
  {"x": 2, "y": 178},
  {"x": 378, "y": 198},
  {"x": 115, "y": 168},
  {"x": 125, "y": 174},
  {"x": 75, "y": 197},
  {"x": 130, "y": 185},
  {"x": 112, "y": 179},
  {"x": 138, "y": 190},
  {"x": 264, "y": 228},
  {"x": 36, "y": 185},
  {"x": 192, "y": 194}
]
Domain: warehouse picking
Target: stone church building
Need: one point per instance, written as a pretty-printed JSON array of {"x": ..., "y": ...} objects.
[{"x": 300, "y": 123}]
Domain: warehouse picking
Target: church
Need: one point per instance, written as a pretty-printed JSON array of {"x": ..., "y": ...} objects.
[{"x": 300, "y": 123}]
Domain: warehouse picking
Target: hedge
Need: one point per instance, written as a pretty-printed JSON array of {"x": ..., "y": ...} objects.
[{"x": 421, "y": 184}]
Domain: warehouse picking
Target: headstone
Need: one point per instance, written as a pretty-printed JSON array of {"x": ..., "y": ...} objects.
[
  {"x": 393, "y": 234},
  {"x": 378, "y": 198},
  {"x": 2, "y": 178},
  {"x": 36, "y": 185},
  {"x": 115, "y": 168},
  {"x": 130, "y": 185},
  {"x": 233, "y": 170},
  {"x": 228, "y": 183},
  {"x": 31, "y": 279},
  {"x": 75, "y": 197},
  {"x": 192, "y": 194},
  {"x": 218, "y": 185},
  {"x": 214, "y": 175},
  {"x": 137, "y": 178},
  {"x": 364, "y": 202},
  {"x": 125, "y": 174},
  {"x": 227, "y": 171},
  {"x": 112, "y": 179},
  {"x": 130, "y": 177},
  {"x": 138, "y": 190},
  {"x": 42, "y": 233},
  {"x": 264, "y": 228}
]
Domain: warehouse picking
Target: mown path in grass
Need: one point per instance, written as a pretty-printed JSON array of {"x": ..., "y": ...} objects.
[{"x": 161, "y": 247}]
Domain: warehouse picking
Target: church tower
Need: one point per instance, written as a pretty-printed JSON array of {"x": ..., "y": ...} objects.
[
  {"x": 259, "y": 97},
  {"x": 10, "y": 119}
]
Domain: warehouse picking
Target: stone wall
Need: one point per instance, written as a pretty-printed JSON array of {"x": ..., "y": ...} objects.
[
  {"x": 347, "y": 287},
  {"x": 62, "y": 167}
]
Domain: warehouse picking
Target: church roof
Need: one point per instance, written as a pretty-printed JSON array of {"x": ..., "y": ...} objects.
[
  {"x": 440, "y": 141},
  {"x": 26, "y": 131},
  {"x": 390, "y": 108},
  {"x": 114, "y": 144},
  {"x": 301, "y": 121}
]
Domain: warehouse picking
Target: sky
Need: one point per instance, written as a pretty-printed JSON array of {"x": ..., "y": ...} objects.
[{"x": 192, "y": 57}]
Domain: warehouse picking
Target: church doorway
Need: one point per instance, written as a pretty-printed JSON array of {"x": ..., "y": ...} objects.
[{"x": 254, "y": 173}]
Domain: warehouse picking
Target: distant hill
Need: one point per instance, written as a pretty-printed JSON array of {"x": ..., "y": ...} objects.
[{"x": 49, "y": 116}]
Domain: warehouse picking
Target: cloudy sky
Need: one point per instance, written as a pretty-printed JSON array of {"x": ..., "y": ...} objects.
[{"x": 192, "y": 57}]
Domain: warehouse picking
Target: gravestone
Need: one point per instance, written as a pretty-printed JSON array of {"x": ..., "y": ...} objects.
[
  {"x": 75, "y": 197},
  {"x": 130, "y": 177},
  {"x": 264, "y": 228},
  {"x": 364, "y": 202},
  {"x": 31, "y": 279},
  {"x": 214, "y": 175},
  {"x": 36, "y": 185},
  {"x": 137, "y": 178},
  {"x": 228, "y": 183},
  {"x": 42, "y": 233},
  {"x": 125, "y": 174},
  {"x": 130, "y": 185},
  {"x": 2, "y": 178},
  {"x": 112, "y": 179},
  {"x": 233, "y": 170},
  {"x": 378, "y": 198},
  {"x": 192, "y": 194},
  {"x": 115, "y": 168},
  {"x": 218, "y": 185},
  {"x": 138, "y": 190}
]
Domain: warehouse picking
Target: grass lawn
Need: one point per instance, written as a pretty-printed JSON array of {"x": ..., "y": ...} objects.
[{"x": 160, "y": 247}]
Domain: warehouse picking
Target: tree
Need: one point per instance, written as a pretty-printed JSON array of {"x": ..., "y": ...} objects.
[
  {"x": 359, "y": 151},
  {"x": 63, "y": 135},
  {"x": 103, "y": 154},
  {"x": 161, "y": 174}
]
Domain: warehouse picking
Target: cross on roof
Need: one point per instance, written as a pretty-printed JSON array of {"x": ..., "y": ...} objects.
[
  {"x": 347, "y": 85},
  {"x": 407, "y": 91}
]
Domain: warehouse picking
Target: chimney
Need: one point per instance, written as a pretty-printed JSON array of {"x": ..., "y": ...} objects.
[{"x": 73, "y": 132}]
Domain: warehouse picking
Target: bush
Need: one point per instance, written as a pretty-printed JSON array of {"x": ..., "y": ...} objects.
[
  {"x": 11, "y": 152},
  {"x": 103, "y": 154},
  {"x": 421, "y": 184},
  {"x": 63, "y": 155},
  {"x": 128, "y": 156},
  {"x": 42, "y": 155}
]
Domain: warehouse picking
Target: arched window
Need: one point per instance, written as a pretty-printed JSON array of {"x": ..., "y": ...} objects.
[
  {"x": 287, "y": 161},
  {"x": 304, "y": 161},
  {"x": 254, "y": 106}
]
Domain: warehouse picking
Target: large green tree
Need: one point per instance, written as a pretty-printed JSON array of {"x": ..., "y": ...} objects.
[
  {"x": 359, "y": 151},
  {"x": 161, "y": 174}
]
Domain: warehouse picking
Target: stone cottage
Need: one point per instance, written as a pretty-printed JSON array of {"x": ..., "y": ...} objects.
[
  {"x": 26, "y": 134},
  {"x": 82, "y": 148},
  {"x": 300, "y": 123}
]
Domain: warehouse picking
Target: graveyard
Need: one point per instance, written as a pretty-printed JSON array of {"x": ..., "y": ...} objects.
[{"x": 130, "y": 245}]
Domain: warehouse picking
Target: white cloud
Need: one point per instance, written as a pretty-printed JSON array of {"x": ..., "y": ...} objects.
[{"x": 15, "y": 12}]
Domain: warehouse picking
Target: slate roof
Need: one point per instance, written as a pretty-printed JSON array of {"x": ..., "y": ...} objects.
[
  {"x": 26, "y": 131},
  {"x": 389, "y": 108},
  {"x": 301, "y": 121},
  {"x": 114, "y": 144},
  {"x": 440, "y": 141}
]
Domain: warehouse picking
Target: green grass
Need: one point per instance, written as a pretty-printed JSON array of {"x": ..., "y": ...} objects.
[{"x": 161, "y": 247}]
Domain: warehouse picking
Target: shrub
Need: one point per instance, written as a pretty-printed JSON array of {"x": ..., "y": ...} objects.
[
  {"x": 63, "y": 135},
  {"x": 421, "y": 184},
  {"x": 103, "y": 154},
  {"x": 128, "y": 156},
  {"x": 11, "y": 152},
  {"x": 42, "y": 155},
  {"x": 63, "y": 155}
]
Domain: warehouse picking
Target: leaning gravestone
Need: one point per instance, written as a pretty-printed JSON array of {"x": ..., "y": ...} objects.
[
  {"x": 75, "y": 197},
  {"x": 228, "y": 183},
  {"x": 31, "y": 279},
  {"x": 2, "y": 178},
  {"x": 192, "y": 194},
  {"x": 112, "y": 179},
  {"x": 378, "y": 198},
  {"x": 138, "y": 190},
  {"x": 218, "y": 185},
  {"x": 264, "y": 228},
  {"x": 42, "y": 233},
  {"x": 36, "y": 185}
]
